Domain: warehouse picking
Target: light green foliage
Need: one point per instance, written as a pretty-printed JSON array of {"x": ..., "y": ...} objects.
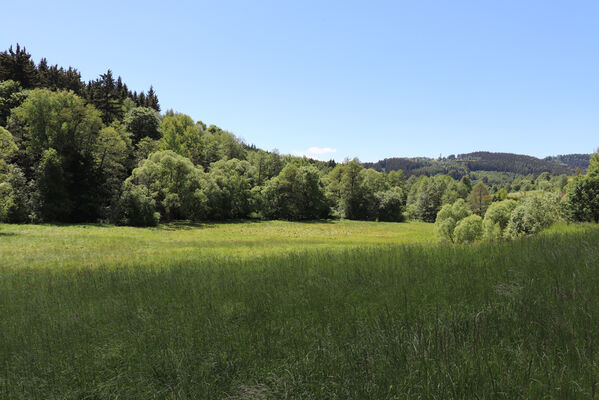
[
  {"x": 497, "y": 217},
  {"x": 175, "y": 184},
  {"x": 143, "y": 122},
  {"x": 111, "y": 153},
  {"x": 297, "y": 193},
  {"x": 469, "y": 229},
  {"x": 181, "y": 135},
  {"x": 233, "y": 180},
  {"x": 7, "y": 144},
  {"x": 144, "y": 148},
  {"x": 543, "y": 181},
  {"x": 373, "y": 182},
  {"x": 448, "y": 218},
  {"x": 58, "y": 120},
  {"x": 267, "y": 165},
  {"x": 87, "y": 162},
  {"x": 397, "y": 179},
  {"x": 202, "y": 145},
  {"x": 219, "y": 144},
  {"x": 534, "y": 214}
]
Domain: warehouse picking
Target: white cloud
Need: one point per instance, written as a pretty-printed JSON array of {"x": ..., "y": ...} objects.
[{"x": 316, "y": 152}]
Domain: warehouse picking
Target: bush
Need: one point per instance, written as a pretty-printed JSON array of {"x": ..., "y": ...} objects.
[
  {"x": 14, "y": 205},
  {"x": 469, "y": 229},
  {"x": 497, "y": 218},
  {"x": 534, "y": 214},
  {"x": 449, "y": 216},
  {"x": 136, "y": 207}
]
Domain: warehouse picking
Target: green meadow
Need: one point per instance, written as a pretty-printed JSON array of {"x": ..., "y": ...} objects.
[
  {"x": 85, "y": 246},
  {"x": 277, "y": 310}
]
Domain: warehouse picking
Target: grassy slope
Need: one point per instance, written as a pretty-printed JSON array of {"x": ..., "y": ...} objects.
[{"x": 508, "y": 320}]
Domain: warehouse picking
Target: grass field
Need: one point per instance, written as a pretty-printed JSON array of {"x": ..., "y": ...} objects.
[
  {"x": 340, "y": 310},
  {"x": 84, "y": 246}
]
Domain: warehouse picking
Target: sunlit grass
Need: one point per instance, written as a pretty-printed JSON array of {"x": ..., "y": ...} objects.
[
  {"x": 84, "y": 246},
  {"x": 341, "y": 310}
]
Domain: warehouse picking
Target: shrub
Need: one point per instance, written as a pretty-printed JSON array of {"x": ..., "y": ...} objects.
[
  {"x": 136, "y": 207},
  {"x": 469, "y": 229},
  {"x": 14, "y": 205},
  {"x": 497, "y": 218},
  {"x": 534, "y": 214},
  {"x": 449, "y": 216}
]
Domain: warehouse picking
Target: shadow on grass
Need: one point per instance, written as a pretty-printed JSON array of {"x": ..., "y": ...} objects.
[
  {"x": 178, "y": 225},
  {"x": 2, "y": 234}
]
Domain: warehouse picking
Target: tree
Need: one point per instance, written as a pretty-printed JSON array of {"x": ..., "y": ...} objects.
[
  {"x": 351, "y": 190},
  {"x": 181, "y": 135},
  {"x": 428, "y": 199},
  {"x": 233, "y": 180},
  {"x": 397, "y": 179},
  {"x": 479, "y": 199},
  {"x": 86, "y": 153},
  {"x": 448, "y": 218},
  {"x": 175, "y": 184},
  {"x": 60, "y": 120},
  {"x": 105, "y": 96},
  {"x": 52, "y": 198},
  {"x": 391, "y": 204},
  {"x": 142, "y": 122},
  {"x": 152, "y": 100},
  {"x": 373, "y": 182},
  {"x": 297, "y": 193},
  {"x": 111, "y": 154},
  {"x": 17, "y": 65},
  {"x": 469, "y": 229}
]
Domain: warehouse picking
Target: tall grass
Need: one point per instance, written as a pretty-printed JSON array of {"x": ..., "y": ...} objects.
[{"x": 495, "y": 320}]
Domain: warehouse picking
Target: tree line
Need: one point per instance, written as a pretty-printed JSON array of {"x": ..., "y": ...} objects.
[{"x": 95, "y": 152}]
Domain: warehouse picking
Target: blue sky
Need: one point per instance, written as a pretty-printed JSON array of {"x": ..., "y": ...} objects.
[{"x": 368, "y": 79}]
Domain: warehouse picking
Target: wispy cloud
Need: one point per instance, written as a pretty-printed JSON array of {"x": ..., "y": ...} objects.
[{"x": 319, "y": 153}]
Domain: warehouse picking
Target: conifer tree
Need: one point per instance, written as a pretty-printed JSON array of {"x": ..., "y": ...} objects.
[{"x": 18, "y": 66}]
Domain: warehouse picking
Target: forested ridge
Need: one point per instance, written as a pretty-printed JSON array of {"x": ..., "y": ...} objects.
[
  {"x": 72, "y": 151},
  {"x": 464, "y": 164}
]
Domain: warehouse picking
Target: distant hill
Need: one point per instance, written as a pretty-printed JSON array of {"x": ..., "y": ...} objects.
[
  {"x": 463, "y": 164},
  {"x": 571, "y": 160}
]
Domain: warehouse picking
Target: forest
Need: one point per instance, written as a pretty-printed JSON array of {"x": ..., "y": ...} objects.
[{"x": 72, "y": 151}]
